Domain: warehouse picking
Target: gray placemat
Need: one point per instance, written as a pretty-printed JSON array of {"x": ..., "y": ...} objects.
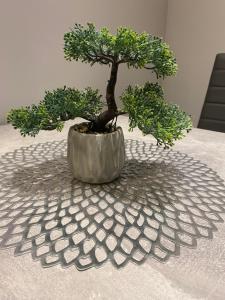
[{"x": 163, "y": 200}]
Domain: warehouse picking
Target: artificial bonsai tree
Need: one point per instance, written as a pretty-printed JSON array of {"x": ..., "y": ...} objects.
[{"x": 145, "y": 105}]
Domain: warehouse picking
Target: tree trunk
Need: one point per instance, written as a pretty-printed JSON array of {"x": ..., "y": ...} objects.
[
  {"x": 111, "y": 113},
  {"x": 110, "y": 91}
]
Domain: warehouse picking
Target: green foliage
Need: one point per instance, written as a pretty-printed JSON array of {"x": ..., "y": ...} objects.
[
  {"x": 152, "y": 115},
  {"x": 126, "y": 46},
  {"x": 69, "y": 103},
  {"x": 58, "y": 106},
  {"x": 145, "y": 105}
]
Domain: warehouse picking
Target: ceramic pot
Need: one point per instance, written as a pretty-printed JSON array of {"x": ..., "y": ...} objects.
[{"x": 96, "y": 158}]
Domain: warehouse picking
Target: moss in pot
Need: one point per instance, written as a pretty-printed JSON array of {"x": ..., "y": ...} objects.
[{"x": 96, "y": 150}]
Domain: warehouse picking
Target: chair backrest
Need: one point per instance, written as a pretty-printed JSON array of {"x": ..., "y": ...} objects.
[{"x": 213, "y": 111}]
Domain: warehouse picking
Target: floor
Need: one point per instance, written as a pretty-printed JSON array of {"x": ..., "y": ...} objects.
[{"x": 195, "y": 274}]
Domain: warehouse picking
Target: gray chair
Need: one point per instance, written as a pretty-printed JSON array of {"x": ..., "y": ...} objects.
[{"x": 213, "y": 111}]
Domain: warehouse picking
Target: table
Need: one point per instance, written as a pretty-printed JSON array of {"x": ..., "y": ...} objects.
[{"x": 195, "y": 273}]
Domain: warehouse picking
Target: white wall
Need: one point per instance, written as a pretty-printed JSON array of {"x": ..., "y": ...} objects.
[
  {"x": 195, "y": 30},
  {"x": 31, "y": 52}
]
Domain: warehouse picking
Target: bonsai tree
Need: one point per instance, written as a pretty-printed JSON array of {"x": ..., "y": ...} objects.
[{"x": 145, "y": 105}]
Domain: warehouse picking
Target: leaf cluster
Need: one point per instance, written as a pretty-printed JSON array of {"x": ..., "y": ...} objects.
[
  {"x": 145, "y": 105},
  {"x": 149, "y": 112},
  {"x": 57, "y": 106},
  {"x": 137, "y": 50}
]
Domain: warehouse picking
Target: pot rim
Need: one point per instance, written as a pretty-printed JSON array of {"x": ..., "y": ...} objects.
[{"x": 96, "y": 134}]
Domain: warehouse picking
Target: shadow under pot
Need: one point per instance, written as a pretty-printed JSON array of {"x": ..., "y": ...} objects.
[{"x": 96, "y": 158}]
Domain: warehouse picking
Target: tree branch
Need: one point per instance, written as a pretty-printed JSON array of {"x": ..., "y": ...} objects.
[
  {"x": 103, "y": 56},
  {"x": 94, "y": 57},
  {"x": 123, "y": 60},
  {"x": 101, "y": 60},
  {"x": 109, "y": 56},
  {"x": 150, "y": 68}
]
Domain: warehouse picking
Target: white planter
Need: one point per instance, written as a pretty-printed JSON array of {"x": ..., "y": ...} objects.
[{"x": 96, "y": 158}]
